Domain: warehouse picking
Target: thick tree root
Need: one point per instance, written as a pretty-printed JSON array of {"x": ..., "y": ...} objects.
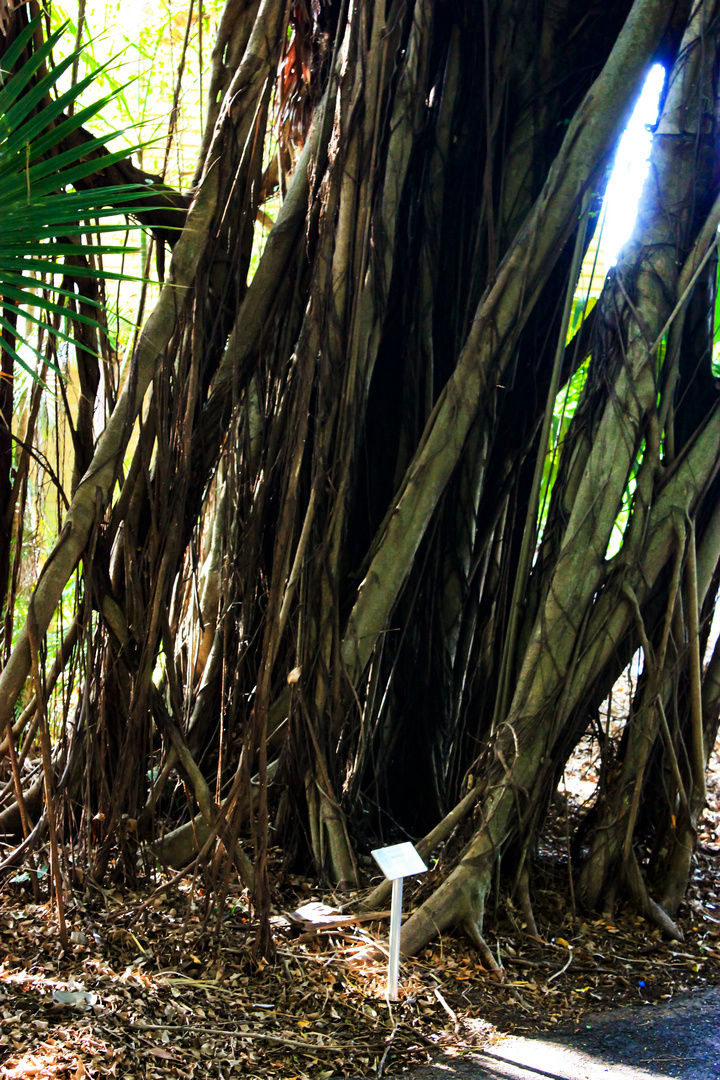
[
  {"x": 459, "y": 901},
  {"x": 526, "y": 903},
  {"x": 651, "y": 910},
  {"x": 180, "y": 846},
  {"x": 472, "y": 930}
]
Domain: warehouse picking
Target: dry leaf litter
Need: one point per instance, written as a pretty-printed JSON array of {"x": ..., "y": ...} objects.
[{"x": 151, "y": 988}]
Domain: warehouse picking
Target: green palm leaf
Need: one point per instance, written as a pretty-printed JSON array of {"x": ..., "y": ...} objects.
[{"x": 45, "y": 204}]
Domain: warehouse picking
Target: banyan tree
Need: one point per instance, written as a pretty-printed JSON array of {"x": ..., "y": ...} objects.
[{"x": 336, "y": 574}]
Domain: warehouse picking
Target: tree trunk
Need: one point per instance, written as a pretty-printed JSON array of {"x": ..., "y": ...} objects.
[{"x": 329, "y": 528}]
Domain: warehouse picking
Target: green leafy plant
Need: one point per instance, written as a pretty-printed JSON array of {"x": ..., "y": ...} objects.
[{"x": 48, "y": 210}]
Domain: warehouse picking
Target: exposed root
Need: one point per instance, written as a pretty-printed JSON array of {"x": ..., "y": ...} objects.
[
  {"x": 459, "y": 901},
  {"x": 651, "y": 910},
  {"x": 526, "y": 903},
  {"x": 180, "y": 846},
  {"x": 473, "y": 932},
  {"x": 660, "y": 917},
  {"x": 608, "y": 911}
]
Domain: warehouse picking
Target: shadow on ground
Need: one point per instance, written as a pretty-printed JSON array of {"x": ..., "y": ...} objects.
[{"x": 678, "y": 1039}]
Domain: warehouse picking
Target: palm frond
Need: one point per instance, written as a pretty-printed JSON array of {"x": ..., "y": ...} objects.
[{"x": 49, "y": 211}]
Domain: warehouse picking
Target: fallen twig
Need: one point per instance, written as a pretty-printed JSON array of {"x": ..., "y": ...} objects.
[
  {"x": 563, "y": 969},
  {"x": 193, "y": 1029}
]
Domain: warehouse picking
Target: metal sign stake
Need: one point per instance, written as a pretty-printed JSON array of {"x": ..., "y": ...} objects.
[
  {"x": 394, "y": 959},
  {"x": 397, "y": 862}
]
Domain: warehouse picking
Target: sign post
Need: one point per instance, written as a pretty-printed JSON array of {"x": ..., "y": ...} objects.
[{"x": 396, "y": 863}]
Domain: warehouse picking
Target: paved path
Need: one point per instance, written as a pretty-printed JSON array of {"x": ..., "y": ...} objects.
[{"x": 679, "y": 1040}]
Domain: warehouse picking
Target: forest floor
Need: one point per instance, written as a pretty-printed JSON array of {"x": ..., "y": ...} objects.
[{"x": 154, "y": 986}]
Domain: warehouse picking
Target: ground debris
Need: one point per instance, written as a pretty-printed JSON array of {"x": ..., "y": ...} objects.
[
  {"x": 156, "y": 994},
  {"x": 157, "y": 986},
  {"x": 150, "y": 990}
]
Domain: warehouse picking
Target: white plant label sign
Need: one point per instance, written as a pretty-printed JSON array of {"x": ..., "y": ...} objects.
[{"x": 399, "y": 861}]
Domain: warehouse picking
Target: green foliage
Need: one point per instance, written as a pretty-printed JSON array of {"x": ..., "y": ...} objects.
[
  {"x": 45, "y": 214},
  {"x": 145, "y": 41},
  {"x": 563, "y": 411}
]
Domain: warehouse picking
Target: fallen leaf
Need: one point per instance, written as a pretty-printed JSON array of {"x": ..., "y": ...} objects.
[{"x": 26, "y": 1066}]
